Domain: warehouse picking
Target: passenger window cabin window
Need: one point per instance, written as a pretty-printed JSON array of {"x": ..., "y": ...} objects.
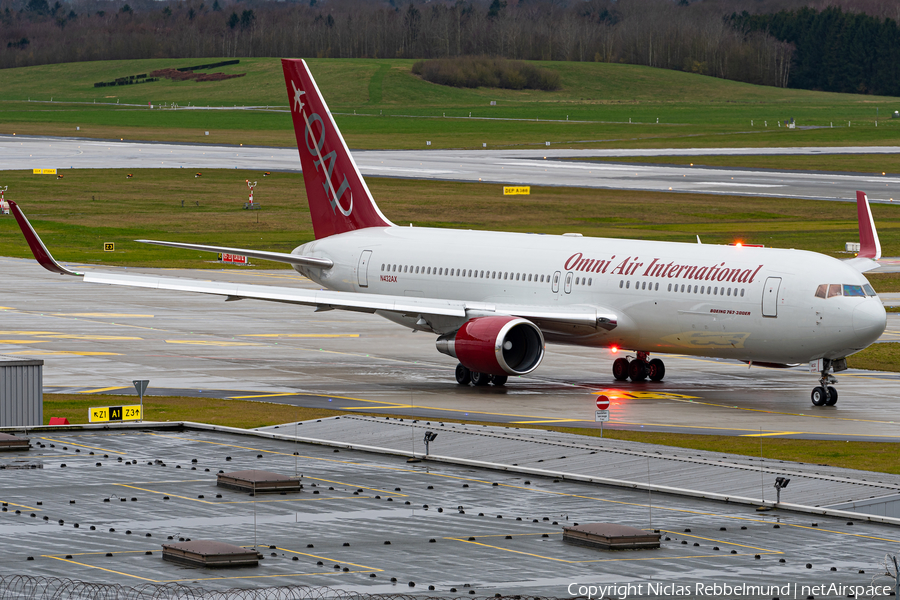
[
  {"x": 542, "y": 279},
  {"x": 382, "y": 267},
  {"x": 627, "y": 285},
  {"x": 670, "y": 287},
  {"x": 429, "y": 271},
  {"x": 742, "y": 292},
  {"x": 621, "y": 284},
  {"x": 590, "y": 281},
  {"x": 834, "y": 290},
  {"x": 656, "y": 287},
  {"x": 729, "y": 291}
]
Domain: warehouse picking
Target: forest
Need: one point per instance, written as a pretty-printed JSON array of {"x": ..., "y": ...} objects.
[{"x": 836, "y": 45}]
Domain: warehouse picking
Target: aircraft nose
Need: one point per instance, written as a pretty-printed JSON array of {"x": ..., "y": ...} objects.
[{"x": 870, "y": 318}]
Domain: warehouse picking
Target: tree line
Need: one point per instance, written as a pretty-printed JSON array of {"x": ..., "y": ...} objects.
[
  {"x": 835, "y": 50},
  {"x": 772, "y": 42}
]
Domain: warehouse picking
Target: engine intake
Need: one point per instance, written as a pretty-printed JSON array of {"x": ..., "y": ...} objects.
[{"x": 496, "y": 345}]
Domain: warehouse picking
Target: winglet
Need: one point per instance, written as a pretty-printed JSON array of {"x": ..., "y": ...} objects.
[
  {"x": 37, "y": 246},
  {"x": 869, "y": 246}
]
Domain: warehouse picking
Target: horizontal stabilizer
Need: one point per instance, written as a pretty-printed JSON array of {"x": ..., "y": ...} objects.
[{"x": 293, "y": 259}]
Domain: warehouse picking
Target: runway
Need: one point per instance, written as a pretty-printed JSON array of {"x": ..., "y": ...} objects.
[
  {"x": 98, "y": 338},
  {"x": 541, "y": 167}
]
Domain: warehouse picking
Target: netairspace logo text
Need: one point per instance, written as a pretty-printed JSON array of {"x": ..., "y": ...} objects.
[{"x": 623, "y": 591}]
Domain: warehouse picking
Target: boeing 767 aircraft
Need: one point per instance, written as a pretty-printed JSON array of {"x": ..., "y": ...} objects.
[{"x": 494, "y": 298}]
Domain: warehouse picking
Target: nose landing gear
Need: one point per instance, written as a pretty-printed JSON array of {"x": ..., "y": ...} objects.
[
  {"x": 824, "y": 394},
  {"x": 639, "y": 368}
]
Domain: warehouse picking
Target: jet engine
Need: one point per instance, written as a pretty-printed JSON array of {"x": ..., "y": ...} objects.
[{"x": 495, "y": 345}]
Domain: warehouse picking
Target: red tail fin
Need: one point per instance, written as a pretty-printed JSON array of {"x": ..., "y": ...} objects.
[{"x": 339, "y": 199}]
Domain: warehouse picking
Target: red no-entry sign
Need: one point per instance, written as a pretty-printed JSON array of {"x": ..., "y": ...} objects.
[{"x": 602, "y": 403}]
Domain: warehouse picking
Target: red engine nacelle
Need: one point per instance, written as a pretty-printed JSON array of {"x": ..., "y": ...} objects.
[{"x": 496, "y": 345}]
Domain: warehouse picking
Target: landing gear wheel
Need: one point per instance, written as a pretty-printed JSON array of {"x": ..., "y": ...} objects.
[
  {"x": 637, "y": 370},
  {"x": 656, "y": 370},
  {"x": 463, "y": 375},
  {"x": 480, "y": 379},
  {"x": 499, "y": 379},
  {"x": 832, "y": 396},
  {"x": 620, "y": 369},
  {"x": 819, "y": 396}
]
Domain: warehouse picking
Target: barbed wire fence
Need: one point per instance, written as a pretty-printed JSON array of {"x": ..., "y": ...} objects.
[{"x": 25, "y": 587}]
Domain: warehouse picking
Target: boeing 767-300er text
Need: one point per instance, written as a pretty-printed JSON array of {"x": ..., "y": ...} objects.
[{"x": 494, "y": 298}]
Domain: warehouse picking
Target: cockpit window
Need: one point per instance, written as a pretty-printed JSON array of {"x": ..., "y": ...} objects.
[{"x": 826, "y": 290}]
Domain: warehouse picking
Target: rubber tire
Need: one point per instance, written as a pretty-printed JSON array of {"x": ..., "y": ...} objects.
[
  {"x": 463, "y": 375},
  {"x": 620, "y": 369},
  {"x": 819, "y": 396},
  {"x": 656, "y": 370},
  {"x": 832, "y": 396},
  {"x": 480, "y": 379},
  {"x": 499, "y": 379},
  {"x": 637, "y": 370}
]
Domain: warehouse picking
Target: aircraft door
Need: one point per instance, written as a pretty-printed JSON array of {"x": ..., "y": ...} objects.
[
  {"x": 569, "y": 276},
  {"x": 770, "y": 297},
  {"x": 556, "y": 282},
  {"x": 362, "y": 271}
]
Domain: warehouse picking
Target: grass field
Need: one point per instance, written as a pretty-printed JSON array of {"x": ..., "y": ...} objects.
[
  {"x": 877, "y": 164},
  {"x": 599, "y": 104},
  {"x": 76, "y": 215},
  {"x": 877, "y": 357},
  {"x": 873, "y": 456}
]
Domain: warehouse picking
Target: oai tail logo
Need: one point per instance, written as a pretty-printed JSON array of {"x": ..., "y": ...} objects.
[{"x": 339, "y": 199}]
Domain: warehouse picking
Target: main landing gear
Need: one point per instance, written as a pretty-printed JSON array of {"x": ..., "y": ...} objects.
[
  {"x": 639, "y": 368},
  {"x": 824, "y": 394},
  {"x": 464, "y": 377}
]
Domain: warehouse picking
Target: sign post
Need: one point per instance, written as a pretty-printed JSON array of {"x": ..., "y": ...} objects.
[
  {"x": 601, "y": 415},
  {"x": 141, "y": 386}
]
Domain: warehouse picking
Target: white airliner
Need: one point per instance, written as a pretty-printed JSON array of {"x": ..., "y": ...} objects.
[{"x": 494, "y": 298}]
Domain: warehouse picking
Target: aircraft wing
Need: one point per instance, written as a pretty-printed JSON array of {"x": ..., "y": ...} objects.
[
  {"x": 370, "y": 303},
  {"x": 582, "y": 315}
]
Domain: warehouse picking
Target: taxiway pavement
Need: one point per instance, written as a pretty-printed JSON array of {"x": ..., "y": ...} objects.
[
  {"x": 541, "y": 167},
  {"x": 100, "y": 338}
]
